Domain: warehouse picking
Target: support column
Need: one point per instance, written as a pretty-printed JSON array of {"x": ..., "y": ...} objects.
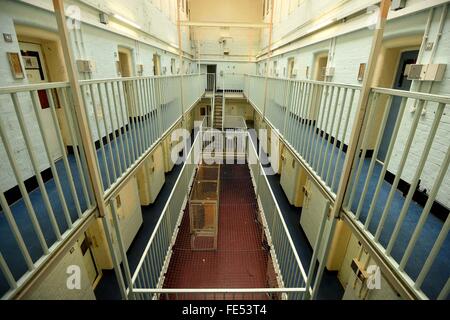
[
  {"x": 355, "y": 135},
  {"x": 80, "y": 113}
]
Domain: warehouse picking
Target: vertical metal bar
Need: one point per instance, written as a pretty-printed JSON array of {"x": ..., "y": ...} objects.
[
  {"x": 336, "y": 136},
  {"x": 359, "y": 118},
  {"x": 121, "y": 246},
  {"x": 35, "y": 166},
  {"x": 108, "y": 140},
  {"x": 16, "y": 232},
  {"x": 328, "y": 142},
  {"x": 119, "y": 129},
  {"x": 386, "y": 162},
  {"x": 322, "y": 264},
  {"x": 291, "y": 111},
  {"x": 137, "y": 102},
  {"x": 312, "y": 264},
  {"x": 399, "y": 170},
  {"x": 7, "y": 273},
  {"x": 374, "y": 157},
  {"x": 415, "y": 180},
  {"x": 139, "y": 115},
  {"x": 75, "y": 141},
  {"x": 315, "y": 122},
  {"x": 100, "y": 137},
  {"x": 321, "y": 115},
  {"x": 445, "y": 291},
  {"x": 360, "y": 153},
  {"x": 325, "y": 133},
  {"x": 341, "y": 147},
  {"x": 22, "y": 188},
  {"x": 426, "y": 210},
  {"x": 81, "y": 116},
  {"x": 64, "y": 153},
  {"x": 305, "y": 129},
  {"x": 126, "y": 133},
  {"x": 301, "y": 118},
  {"x": 116, "y": 263},
  {"x": 433, "y": 253},
  {"x": 91, "y": 133},
  {"x": 52, "y": 166},
  {"x": 146, "y": 114},
  {"x": 130, "y": 112},
  {"x": 287, "y": 107}
]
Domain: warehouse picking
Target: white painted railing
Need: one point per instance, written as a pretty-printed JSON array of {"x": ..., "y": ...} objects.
[
  {"x": 37, "y": 223},
  {"x": 148, "y": 279},
  {"x": 127, "y": 117},
  {"x": 315, "y": 120}
]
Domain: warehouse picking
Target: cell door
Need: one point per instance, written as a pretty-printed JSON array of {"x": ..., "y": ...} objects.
[
  {"x": 211, "y": 70},
  {"x": 156, "y": 65},
  {"x": 291, "y": 63},
  {"x": 36, "y": 71},
  {"x": 401, "y": 83},
  {"x": 88, "y": 258}
]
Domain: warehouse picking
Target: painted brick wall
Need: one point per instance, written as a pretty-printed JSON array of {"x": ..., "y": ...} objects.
[{"x": 442, "y": 142}]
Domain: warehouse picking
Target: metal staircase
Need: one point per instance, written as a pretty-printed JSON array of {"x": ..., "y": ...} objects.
[{"x": 218, "y": 111}]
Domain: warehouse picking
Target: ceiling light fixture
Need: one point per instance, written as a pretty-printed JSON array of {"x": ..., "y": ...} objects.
[{"x": 127, "y": 21}]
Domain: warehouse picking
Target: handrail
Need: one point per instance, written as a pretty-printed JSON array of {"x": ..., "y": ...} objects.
[
  {"x": 220, "y": 290},
  {"x": 164, "y": 212},
  {"x": 33, "y": 87},
  {"x": 325, "y": 83},
  {"x": 316, "y": 115},
  {"x": 413, "y": 95},
  {"x": 278, "y": 210}
]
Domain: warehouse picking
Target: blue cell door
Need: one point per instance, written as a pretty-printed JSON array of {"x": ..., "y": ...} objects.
[{"x": 401, "y": 83}]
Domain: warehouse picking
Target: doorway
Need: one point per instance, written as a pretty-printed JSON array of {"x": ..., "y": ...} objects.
[
  {"x": 125, "y": 62},
  {"x": 156, "y": 64},
  {"x": 211, "y": 70},
  {"x": 401, "y": 83},
  {"x": 37, "y": 72},
  {"x": 88, "y": 259},
  {"x": 320, "y": 65},
  {"x": 290, "y": 70}
]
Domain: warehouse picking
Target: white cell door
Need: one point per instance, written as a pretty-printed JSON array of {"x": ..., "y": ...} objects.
[
  {"x": 315, "y": 206},
  {"x": 88, "y": 259},
  {"x": 36, "y": 71}
]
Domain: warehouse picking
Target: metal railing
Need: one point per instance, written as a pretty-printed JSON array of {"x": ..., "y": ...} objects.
[
  {"x": 291, "y": 270},
  {"x": 148, "y": 279},
  {"x": 129, "y": 115},
  {"x": 315, "y": 120},
  {"x": 309, "y": 115},
  {"x": 126, "y": 119},
  {"x": 150, "y": 270},
  {"x": 413, "y": 241},
  {"x": 40, "y": 220}
]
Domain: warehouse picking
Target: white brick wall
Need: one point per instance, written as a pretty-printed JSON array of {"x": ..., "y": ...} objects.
[{"x": 442, "y": 141}]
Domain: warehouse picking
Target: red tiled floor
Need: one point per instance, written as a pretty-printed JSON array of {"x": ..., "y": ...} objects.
[{"x": 240, "y": 261}]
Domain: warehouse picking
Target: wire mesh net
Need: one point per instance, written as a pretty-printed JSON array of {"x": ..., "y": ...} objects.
[{"x": 242, "y": 258}]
